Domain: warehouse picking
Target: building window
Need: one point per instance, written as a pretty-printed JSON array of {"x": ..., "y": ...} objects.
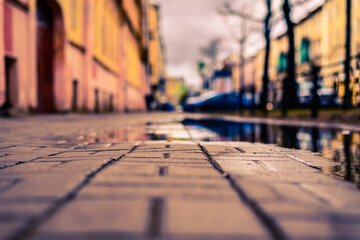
[
  {"x": 282, "y": 62},
  {"x": 305, "y": 50}
]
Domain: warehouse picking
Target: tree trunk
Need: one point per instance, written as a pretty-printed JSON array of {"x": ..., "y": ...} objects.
[
  {"x": 265, "y": 78},
  {"x": 315, "y": 70},
  {"x": 347, "y": 97},
  {"x": 290, "y": 97},
  {"x": 241, "y": 65}
]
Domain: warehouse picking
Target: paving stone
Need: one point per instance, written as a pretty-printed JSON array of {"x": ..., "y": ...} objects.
[
  {"x": 15, "y": 215},
  {"x": 69, "y": 159},
  {"x": 249, "y": 157},
  {"x": 309, "y": 157},
  {"x": 130, "y": 168},
  {"x": 292, "y": 177},
  {"x": 107, "y": 146},
  {"x": 5, "y": 164},
  {"x": 189, "y": 155},
  {"x": 21, "y": 207},
  {"x": 150, "y": 160},
  {"x": 109, "y": 154},
  {"x": 145, "y": 155},
  {"x": 189, "y": 217},
  {"x": 156, "y": 181},
  {"x": 193, "y": 171},
  {"x": 20, "y": 157},
  {"x": 106, "y": 217},
  {"x": 163, "y": 184},
  {"x": 84, "y": 166},
  {"x": 28, "y": 168},
  {"x": 7, "y": 228},
  {"x": 21, "y": 149},
  {"x": 56, "y": 185},
  {"x": 250, "y": 147},
  {"x": 71, "y": 154},
  {"x": 329, "y": 228},
  {"x": 152, "y": 190}
]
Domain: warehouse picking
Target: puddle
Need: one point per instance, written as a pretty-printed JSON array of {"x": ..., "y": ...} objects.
[{"x": 340, "y": 146}]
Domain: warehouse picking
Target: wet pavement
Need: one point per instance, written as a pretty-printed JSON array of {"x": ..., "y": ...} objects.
[
  {"x": 341, "y": 145},
  {"x": 167, "y": 176}
]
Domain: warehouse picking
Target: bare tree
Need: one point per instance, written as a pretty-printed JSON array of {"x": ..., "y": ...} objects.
[
  {"x": 211, "y": 52},
  {"x": 245, "y": 31},
  {"x": 265, "y": 78}
]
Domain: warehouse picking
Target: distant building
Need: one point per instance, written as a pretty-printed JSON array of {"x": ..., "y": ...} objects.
[
  {"x": 176, "y": 90},
  {"x": 73, "y": 55},
  {"x": 221, "y": 81}
]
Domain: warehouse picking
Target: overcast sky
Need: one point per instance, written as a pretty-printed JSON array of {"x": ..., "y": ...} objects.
[{"x": 187, "y": 25}]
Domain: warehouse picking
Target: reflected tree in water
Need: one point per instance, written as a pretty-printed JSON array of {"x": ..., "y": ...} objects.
[
  {"x": 348, "y": 157},
  {"x": 315, "y": 139},
  {"x": 357, "y": 164},
  {"x": 289, "y": 137},
  {"x": 264, "y": 135}
]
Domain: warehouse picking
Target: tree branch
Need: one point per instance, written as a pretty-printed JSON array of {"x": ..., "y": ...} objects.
[{"x": 228, "y": 10}]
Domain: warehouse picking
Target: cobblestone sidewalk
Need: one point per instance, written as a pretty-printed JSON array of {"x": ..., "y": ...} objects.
[
  {"x": 53, "y": 185},
  {"x": 172, "y": 190}
]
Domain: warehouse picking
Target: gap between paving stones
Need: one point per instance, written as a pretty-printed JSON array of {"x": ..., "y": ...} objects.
[
  {"x": 266, "y": 219},
  {"x": 155, "y": 222},
  {"x": 34, "y": 223}
]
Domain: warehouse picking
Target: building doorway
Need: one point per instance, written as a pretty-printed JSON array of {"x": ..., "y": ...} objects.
[
  {"x": 50, "y": 52},
  {"x": 11, "y": 86}
]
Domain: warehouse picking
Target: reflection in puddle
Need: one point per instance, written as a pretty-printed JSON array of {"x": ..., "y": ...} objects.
[
  {"x": 118, "y": 135},
  {"x": 167, "y": 131},
  {"x": 144, "y": 132},
  {"x": 343, "y": 147}
]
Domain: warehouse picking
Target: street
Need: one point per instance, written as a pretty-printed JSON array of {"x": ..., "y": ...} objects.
[{"x": 150, "y": 176}]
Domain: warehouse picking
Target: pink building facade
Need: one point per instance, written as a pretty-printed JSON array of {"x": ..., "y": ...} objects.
[{"x": 60, "y": 56}]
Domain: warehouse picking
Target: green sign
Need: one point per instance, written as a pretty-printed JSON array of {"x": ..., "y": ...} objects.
[{"x": 201, "y": 66}]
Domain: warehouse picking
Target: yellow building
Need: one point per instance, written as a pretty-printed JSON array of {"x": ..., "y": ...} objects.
[
  {"x": 259, "y": 69},
  {"x": 333, "y": 46},
  {"x": 134, "y": 48},
  {"x": 308, "y": 43},
  {"x": 320, "y": 40},
  {"x": 277, "y": 67},
  {"x": 233, "y": 61}
]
